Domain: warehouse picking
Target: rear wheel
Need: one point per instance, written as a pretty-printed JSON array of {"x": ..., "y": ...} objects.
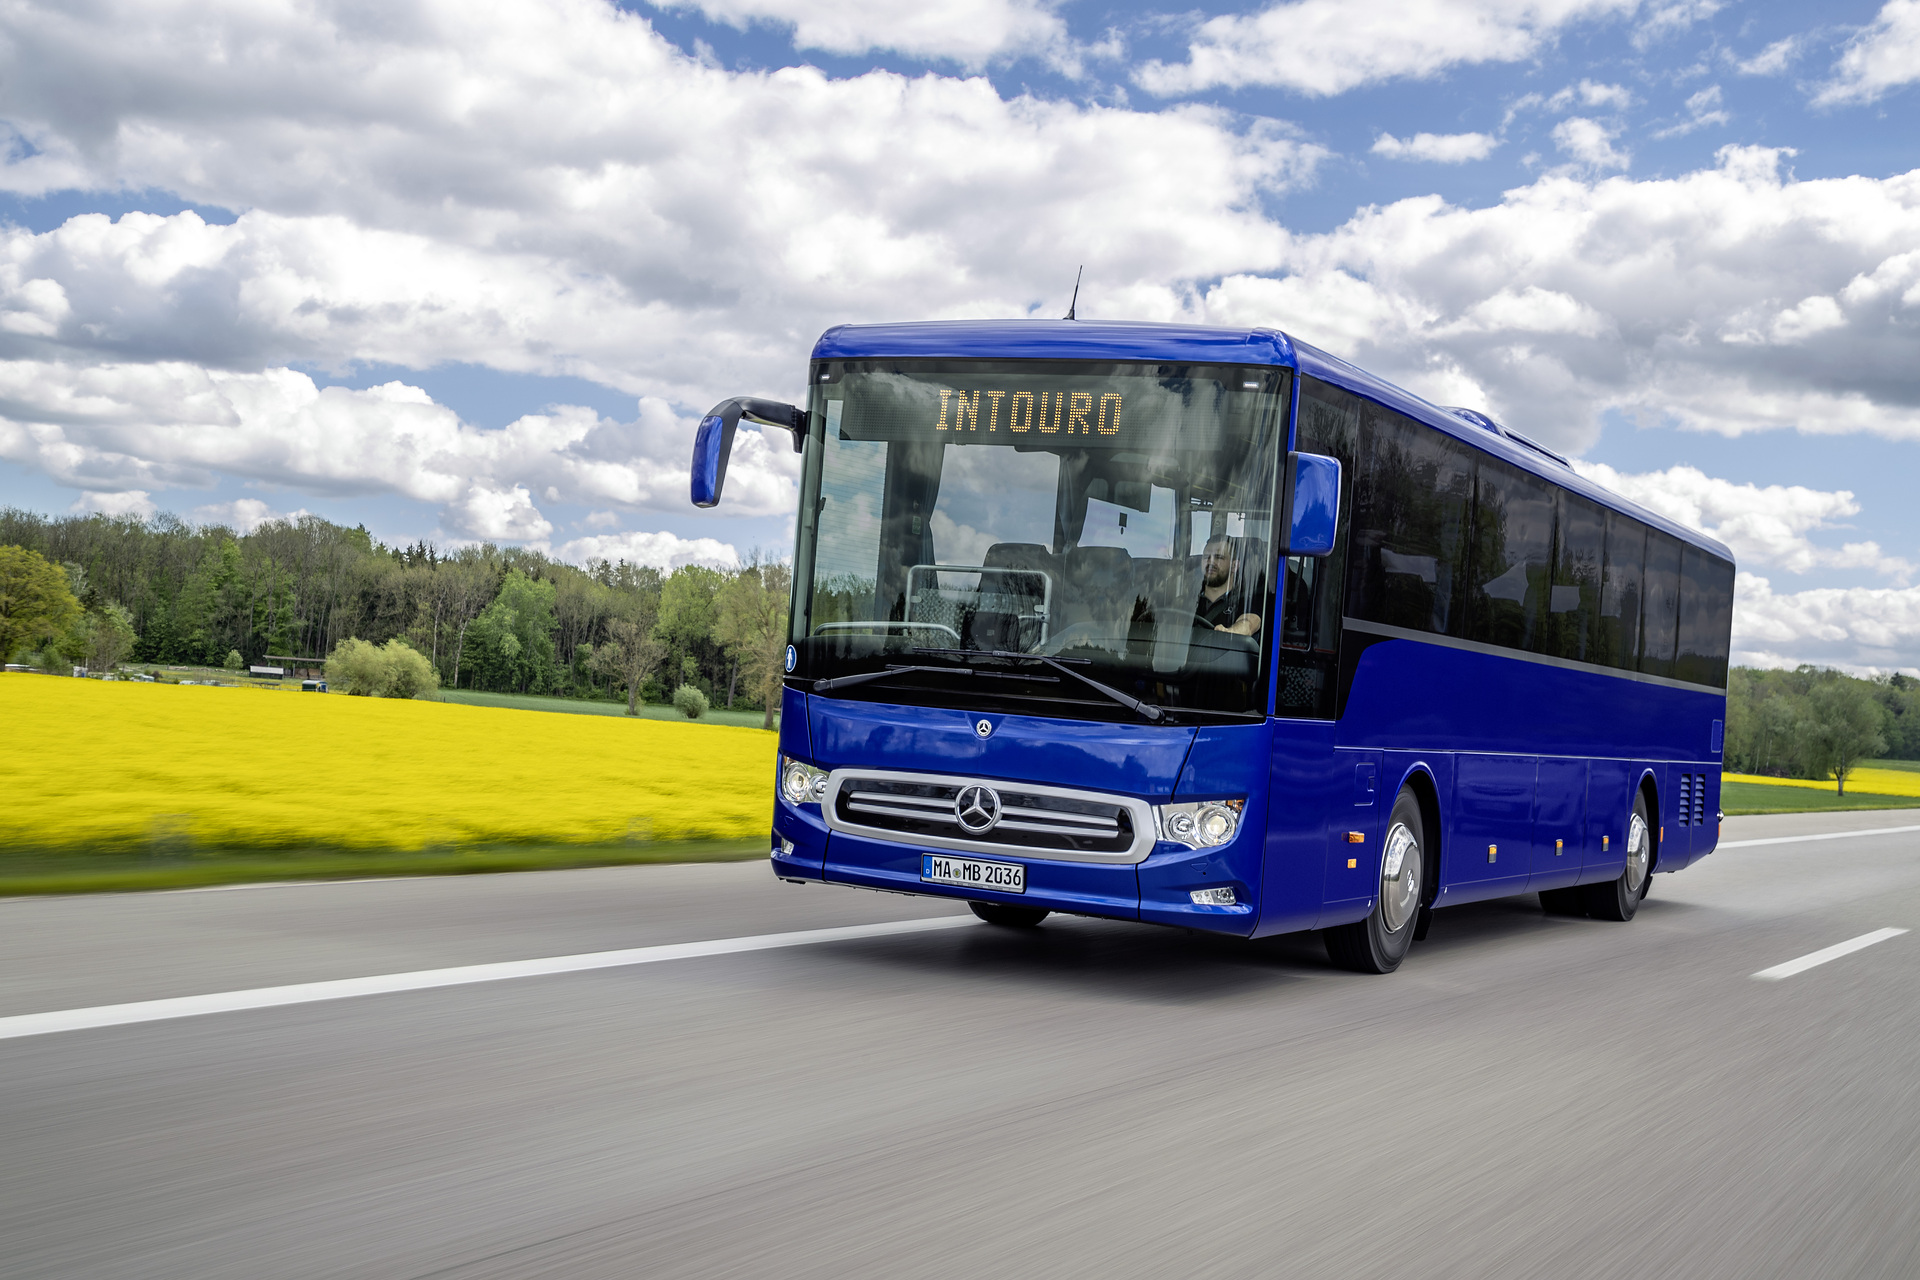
[
  {"x": 1008, "y": 917},
  {"x": 1619, "y": 898},
  {"x": 1379, "y": 943}
]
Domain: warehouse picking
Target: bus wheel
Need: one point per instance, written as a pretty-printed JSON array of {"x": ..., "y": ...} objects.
[
  {"x": 1379, "y": 943},
  {"x": 1008, "y": 917},
  {"x": 1619, "y": 899}
]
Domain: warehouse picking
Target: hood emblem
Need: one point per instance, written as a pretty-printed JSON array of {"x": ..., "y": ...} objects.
[
  {"x": 977, "y": 808},
  {"x": 983, "y": 728}
]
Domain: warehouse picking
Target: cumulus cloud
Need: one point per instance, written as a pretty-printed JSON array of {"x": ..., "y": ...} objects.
[
  {"x": 127, "y": 502},
  {"x": 1884, "y": 56},
  {"x": 1440, "y": 148},
  {"x": 1323, "y": 47},
  {"x": 1768, "y": 525},
  {"x": 1685, "y": 300},
  {"x": 661, "y": 550},
  {"x": 243, "y": 515},
  {"x": 1862, "y": 628},
  {"x": 969, "y": 32},
  {"x": 1589, "y": 144}
]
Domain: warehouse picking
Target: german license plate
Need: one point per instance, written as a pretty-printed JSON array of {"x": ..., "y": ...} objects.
[{"x": 1006, "y": 877}]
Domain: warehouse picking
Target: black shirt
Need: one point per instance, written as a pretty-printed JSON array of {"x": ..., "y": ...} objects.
[{"x": 1223, "y": 612}]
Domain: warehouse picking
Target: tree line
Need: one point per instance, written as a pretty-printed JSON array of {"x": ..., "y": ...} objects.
[
  {"x": 506, "y": 619},
  {"x": 1817, "y": 723}
]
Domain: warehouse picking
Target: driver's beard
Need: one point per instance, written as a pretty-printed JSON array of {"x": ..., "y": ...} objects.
[{"x": 1216, "y": 578}]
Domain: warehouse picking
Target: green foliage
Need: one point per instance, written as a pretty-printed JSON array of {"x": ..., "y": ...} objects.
[
  {"x": 751, "y": 624},
  {"x": 510, "y": 645},
  {"x": 691, "y": 702},
  {"x": 108, "y": 636},
  {"x": 234, "y": 661},
  {"x": 1811, "y": 722},
  {"x": 393, "y": 670},
  {"x": 37, "y": 605}
]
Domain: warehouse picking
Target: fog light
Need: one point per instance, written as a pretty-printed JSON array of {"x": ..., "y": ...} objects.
[
  {"x": 1212, "y": 897},
  {"x": 786, "y": 847},
  {"x": 801, "y": 783}
]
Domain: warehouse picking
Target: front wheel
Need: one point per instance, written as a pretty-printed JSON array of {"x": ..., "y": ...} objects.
[
  {"x": 1379, "y": 943},
  {"x": 1008, "y": 917},
  {"x": 1619, "y": 898}
]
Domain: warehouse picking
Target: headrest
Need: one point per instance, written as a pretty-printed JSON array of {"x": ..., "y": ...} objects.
[{"x": 1017, "y": 555}]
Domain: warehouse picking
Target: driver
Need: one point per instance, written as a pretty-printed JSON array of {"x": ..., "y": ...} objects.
[{"x": 1222, "y": 602}]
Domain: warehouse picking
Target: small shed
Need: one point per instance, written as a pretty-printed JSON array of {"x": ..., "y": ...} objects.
[{"x": 299, "y": 668}]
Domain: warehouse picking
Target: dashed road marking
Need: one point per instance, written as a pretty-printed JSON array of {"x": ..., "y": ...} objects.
[{"x": 1825, "y": 954}]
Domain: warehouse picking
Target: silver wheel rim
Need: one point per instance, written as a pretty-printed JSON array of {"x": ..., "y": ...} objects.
[
  {"x": 1639, "y": 853},
  {"x": 1399, "y": 878}
]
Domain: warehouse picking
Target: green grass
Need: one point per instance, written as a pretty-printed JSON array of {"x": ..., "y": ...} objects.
[
  {"x": 1743, "y": 798},
  {"x": 28, "y": 872},
  {"x": 585, "y": 707},
  {"x": 1904, "y": 766}
]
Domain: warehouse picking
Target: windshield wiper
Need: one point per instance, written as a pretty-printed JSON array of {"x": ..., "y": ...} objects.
[
  {"x": 842, "y": 682},
  {"x": 1126, "y": 700}
]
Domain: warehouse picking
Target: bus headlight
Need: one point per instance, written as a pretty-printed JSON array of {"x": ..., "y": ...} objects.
[
  {"x": 801, "y": 783},
  {"x": 1200, "y": 825}
]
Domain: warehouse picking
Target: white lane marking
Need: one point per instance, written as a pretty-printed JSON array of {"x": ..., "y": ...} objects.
[
  {"x": 1825, "y": 835},
  {"x": 1825, "y": 954},
  {"x": 116, "y": 1015}
]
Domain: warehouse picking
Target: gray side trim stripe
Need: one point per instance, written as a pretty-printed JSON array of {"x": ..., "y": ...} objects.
[{"x": 1568, "y": 664}]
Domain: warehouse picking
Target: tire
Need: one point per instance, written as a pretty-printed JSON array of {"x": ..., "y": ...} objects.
[
  {"x": 1008, "y": 917},
  {"x": 1619, "y": 898},
  {"x": 1564, "y": 902},
  {"x": 1380, "y": 942}
]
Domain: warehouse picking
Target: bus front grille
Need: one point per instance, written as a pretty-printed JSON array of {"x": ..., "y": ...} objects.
[{"x": 1040, "y": 821}]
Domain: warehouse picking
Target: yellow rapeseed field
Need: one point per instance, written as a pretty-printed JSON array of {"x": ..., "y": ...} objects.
[
  {"x": 1866, "y": 781},
  {"x": 93, "y": 763}
]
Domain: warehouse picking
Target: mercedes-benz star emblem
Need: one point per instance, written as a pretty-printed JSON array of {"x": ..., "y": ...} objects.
[
  {"x": 977, "y": 808},
  {"x": 983, "y": 728}
]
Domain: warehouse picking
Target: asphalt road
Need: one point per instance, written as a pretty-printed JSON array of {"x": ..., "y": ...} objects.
[{"x": 1528, "y": 1096}]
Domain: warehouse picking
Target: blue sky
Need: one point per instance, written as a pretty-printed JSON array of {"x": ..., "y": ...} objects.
[{"x": 471, "y": 271}]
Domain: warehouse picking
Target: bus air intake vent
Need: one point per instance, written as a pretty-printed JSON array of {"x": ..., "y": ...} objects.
[{"x": 968, "y": 813}]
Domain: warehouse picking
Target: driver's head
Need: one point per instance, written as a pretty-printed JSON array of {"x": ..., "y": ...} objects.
[{"x": 1216, "y": 570}]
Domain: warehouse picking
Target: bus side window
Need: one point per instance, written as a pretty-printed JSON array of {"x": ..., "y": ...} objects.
[
  {"x": 1311, "y": 589},
  {"x": 1706, "y": 616},
  {"x": 1660, "y": 624},
  {"x": 1617, "y": 643},
  {"x": 1575, "y": 593},
  {"x": 1409, "y": 524},
  {"x": 1512, "y": 543}
]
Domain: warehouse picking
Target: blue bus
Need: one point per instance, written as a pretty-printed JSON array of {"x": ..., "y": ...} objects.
[{"x": 1206, "y": 627}]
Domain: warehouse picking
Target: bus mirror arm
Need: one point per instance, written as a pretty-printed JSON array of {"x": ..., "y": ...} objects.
[
  {"x": 1312, "y": 497},
  {"x": 713, "y": 439}
]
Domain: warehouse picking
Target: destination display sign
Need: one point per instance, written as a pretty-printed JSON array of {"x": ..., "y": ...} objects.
[{"x": 1102, "y": 408}]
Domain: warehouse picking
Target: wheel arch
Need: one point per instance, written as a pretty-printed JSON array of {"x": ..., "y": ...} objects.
[
  {"x": 1419, "y": 780},
  {"x": 1649, "y": 787}
]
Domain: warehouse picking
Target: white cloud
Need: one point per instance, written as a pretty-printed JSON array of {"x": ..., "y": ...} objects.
[
  {"x": 969, "y": 32},
  {"x": 1590, "y": 144},
  {"x": 1666, "y": 19},
  {"x": 1767, "y": 525},
  {"x": 1591, "y": 93},
  {"x": 1324, "y": 47},
  {"x": 1884, "y": 56},
  {"x": 1681, "y": 300},
  {"x": 243, "y": 515},
  {"x": 661, "y": 550},
  {"x": 1440, "y": 148},
  {"x": 1861, "y": 628},
  {"x": 1703, "y": 109},
  {"x": 1772, "y": 60},
  {"x": 127, "y": 502}
]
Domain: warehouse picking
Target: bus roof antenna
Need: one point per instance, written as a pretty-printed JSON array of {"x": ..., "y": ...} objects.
[{"x": 1076, "y": 294}]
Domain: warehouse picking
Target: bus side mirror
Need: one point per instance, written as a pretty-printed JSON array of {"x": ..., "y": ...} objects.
[
  {"x": 1313, "y": 503},
  {"x": 713, "y": 440}
]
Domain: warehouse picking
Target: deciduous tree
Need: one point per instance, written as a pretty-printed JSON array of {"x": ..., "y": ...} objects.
[{"x": 36, "y": 604}]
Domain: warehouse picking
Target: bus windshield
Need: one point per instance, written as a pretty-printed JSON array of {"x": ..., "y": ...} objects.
[{"x": 966, "y": 518}]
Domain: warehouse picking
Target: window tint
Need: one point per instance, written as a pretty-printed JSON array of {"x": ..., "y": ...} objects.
[
  {"x": 1616, "y": 640},
  {"x": 1310, "y": 619},
  {"x": 1512, "y": 557},
  {"x": 1573, "y": 600},
  {"x": 1659, "y": 628},
  {"x": 1706, "y": 617},
  {"x": 1411, "y": 506}
]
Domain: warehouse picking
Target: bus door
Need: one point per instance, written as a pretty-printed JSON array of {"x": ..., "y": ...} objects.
[
  {"x": 1560, "y": 823},
  {"x": 1491, "y": 850}
]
